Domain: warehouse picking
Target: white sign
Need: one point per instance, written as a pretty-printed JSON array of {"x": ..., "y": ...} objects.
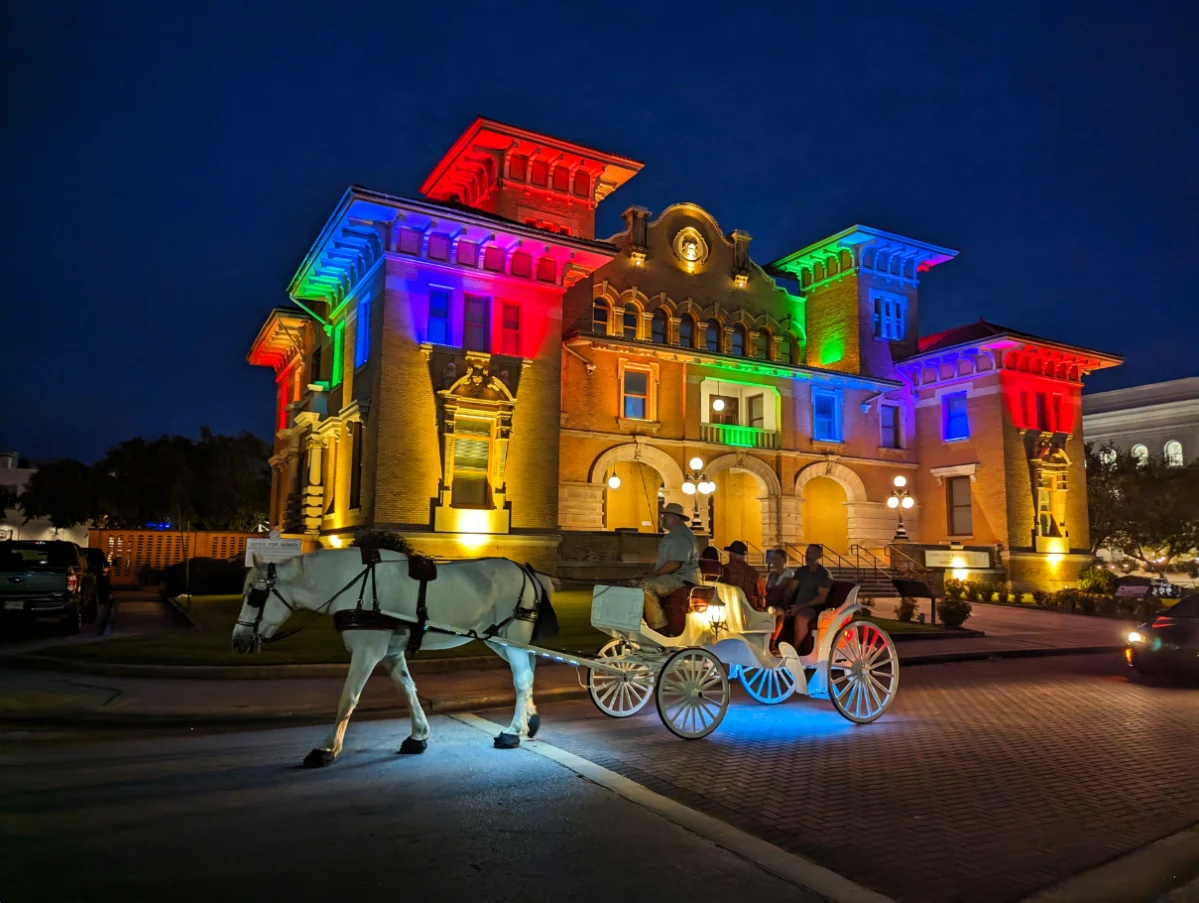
[
  {"x": 269, "y": 550},
  {"x": 956, "y": 558}
]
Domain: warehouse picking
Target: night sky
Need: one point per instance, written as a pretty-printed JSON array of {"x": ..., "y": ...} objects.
[{"x": 167, "y": 165}]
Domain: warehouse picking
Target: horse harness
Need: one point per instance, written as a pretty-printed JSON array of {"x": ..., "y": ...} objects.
[{"x": 420, "y": 568}]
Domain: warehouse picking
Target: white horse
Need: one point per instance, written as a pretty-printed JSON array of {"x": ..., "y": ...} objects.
[{"x": 490, "y": 596}]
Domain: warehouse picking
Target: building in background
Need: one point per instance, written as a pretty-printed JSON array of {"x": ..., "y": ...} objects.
[
  {"x": 1159, "y": 420},
  {"x": 15, "y": 475},
  {"x": 474, "y": 369}
]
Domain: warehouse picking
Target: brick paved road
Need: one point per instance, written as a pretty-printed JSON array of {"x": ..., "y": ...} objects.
[{"x": 984, "y": 782}]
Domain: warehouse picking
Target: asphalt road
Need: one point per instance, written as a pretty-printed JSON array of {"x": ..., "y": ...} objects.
[
  {"x": 231, "y": 817},
  {"x": 136, "y": 614}
]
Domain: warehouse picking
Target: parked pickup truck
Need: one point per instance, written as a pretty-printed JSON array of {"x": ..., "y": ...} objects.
[{"x": 46, "y": 580}]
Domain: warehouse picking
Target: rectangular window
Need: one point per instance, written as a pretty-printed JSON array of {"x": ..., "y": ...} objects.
[
  {"x": 1042, "y": 411},
  {"x": 468, "y": 253},
  {"x": 409, "y": 240},
  {"x": 493, "y": 259},
  {"x": 889, "y": 421},
  {"x": 723, "y": 409},
  {"x": 636, "y": 395},
  {"x": 439, "y": 247},
  {"x": 472, "y": 453},
  {"x": 1059, "y": 422},
  {"x": 955, "y": 423},
  {"x": 961, "y": 522},
  {"x": 317, "y": 365},
  {"x": 889, "y": 318},
  {"x": 826, "y": 416},
  {"x": 1026, "y": 410},
  {"x": 355, "y": 466},
  {"x": 476, "y": 323},
  {"x": 339, "y": 342},
  {"x": 330, "y": 478},
  {"x": 522, "y": 264},
  {"x": 1045, "y": 511},
  {"x": 362, "y": 334},
  {"x": 439, "y": 316},
  {"x": 547, "y": 270},
  {"x": 757, "y": 412},
  {"x": 510, "y": 341}
]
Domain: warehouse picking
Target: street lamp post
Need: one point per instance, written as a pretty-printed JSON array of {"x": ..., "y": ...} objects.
[
  {"x": 899, "y": 500},
  {"x": 695, "y": 485}
]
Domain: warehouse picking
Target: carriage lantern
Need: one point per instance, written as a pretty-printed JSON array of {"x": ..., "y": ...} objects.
[{"x": 899, "y": 500}]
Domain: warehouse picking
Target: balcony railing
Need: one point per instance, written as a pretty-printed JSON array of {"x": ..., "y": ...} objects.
[{"x": 742, "y": 436}]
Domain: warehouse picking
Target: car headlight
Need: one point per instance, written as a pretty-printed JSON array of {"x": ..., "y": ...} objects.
[{"x": 1135, "y": 637}]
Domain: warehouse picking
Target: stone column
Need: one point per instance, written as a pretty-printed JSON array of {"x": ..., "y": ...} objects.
[{"x": 313, "y": 501}]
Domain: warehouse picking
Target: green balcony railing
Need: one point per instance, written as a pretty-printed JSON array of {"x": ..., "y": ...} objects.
[{"x": 741, "y": 436}]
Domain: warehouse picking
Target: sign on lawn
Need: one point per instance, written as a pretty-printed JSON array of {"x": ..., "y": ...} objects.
[
  {"x": 956, "y": 558},
  {"x": 269, "y": 550}
]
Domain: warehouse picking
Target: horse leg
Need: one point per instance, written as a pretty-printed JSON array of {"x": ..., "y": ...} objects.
[
  {"x": 367, "y": 648},
  {"x": 522, "y": 679},
  {"x": 534, "y": 720},
  {"x": 418, "y": 740}
]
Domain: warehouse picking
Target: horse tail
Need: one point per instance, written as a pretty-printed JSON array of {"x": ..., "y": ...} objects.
[{"x": 546, "y": 623}]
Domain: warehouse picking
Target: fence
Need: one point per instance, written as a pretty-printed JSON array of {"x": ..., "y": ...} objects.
[{"x": 128, "y": 551}]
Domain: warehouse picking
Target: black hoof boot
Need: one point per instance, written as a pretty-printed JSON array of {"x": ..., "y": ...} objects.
[
  {"x": 413, "y": 747},
  {"x": 534, "y": 725},
  {"x": 507, "y": 741},
  {"x": 318, "y": 758}
]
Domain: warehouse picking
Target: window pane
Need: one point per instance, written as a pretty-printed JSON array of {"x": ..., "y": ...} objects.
[
  {"x": 1042, "y": 412},
  {"x": 763, "y": 351},
  {"x": 511, "y": 336},
  {"x": 728, "y": 413},
  {"x": 630, "y": 321},
  {"x": 658, "y": 333},
  {"x": 825, "y": 417},
  {"x": 739, "y": 341},
  {"x": 635, "y": 382},
  {"x": 634, "y": 407},
  {"x": 687, "y": 332},
  {"x": 599, "y": 318},
  {"x": 476, "y": 332},
  {"x": 757, "y": 411},
  {"x": 889, "y": 419},
  {"x": 955, "y": 421},
  {"x": 712, "y": 336}
]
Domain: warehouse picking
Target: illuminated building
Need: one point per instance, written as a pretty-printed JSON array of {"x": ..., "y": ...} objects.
[{"x": 475, "y": 370}]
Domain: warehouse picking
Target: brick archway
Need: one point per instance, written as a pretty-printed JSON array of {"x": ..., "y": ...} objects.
[{"x": 666, "y": 466}]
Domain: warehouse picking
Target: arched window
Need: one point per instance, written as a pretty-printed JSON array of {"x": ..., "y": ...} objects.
[
  {"x": 599, "y": 317},
  {"x": 786, "y": 347},
  {"x": 687, "y": 331},
  {"x": 762, "y": 351},
  {"x": 1141, "y": 453},
  {"x": 739, "y": 337},
  {"x": 658, "y": 327},
  {"x": 1173, "y": 453},
  {"x": 631, "y": 313},
  {"x": 712, "y": 336}
]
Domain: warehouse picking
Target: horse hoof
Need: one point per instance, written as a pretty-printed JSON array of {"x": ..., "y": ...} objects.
[
  {"x": 318, "y": 758},
  {"x": 507, "y": 741},
  {"x": 412, "y": 746},
  {"x": 534, "y": 725}
]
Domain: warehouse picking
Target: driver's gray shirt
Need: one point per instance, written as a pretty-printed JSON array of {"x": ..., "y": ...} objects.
[{"x": 680, "y": 545}]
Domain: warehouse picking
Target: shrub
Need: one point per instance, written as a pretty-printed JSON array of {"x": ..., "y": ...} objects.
[
  {"x": 148, "y": 576},
  {"x": 1043, "y": 598},
  {"x": 953, "y": 612},
  {"x": 954, "y": 588},
  {"x": 209, "y": 577},
  {"x": 906, "y": 609},
  {"x": 383, "y": 539},
  {"x": 1097, "y": 580}
]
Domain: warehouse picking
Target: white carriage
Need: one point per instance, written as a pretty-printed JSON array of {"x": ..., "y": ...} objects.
[{"x": 853, "y": 663}]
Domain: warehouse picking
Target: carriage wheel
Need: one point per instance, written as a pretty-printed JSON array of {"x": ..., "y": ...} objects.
[
  {"x": 863, "y": 671},
  {"x": 692, "y": 693},
  {"x": 620, "y": 695},
  {"x": 768, "y": 685}
]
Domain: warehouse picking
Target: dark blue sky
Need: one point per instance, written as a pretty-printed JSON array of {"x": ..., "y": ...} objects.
[{"x": 167, "y": 165}]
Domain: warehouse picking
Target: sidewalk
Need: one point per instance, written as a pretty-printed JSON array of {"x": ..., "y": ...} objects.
[{"x": 58, "y": 697}]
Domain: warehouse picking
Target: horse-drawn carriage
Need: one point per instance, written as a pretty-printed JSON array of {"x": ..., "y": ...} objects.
[{"x": 852, "y": 663}]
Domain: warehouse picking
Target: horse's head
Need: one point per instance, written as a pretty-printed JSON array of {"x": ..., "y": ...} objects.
[{"x": 272, "y": 591}]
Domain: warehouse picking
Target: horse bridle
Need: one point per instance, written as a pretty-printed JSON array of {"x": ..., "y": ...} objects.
[{"x": 257, "y": 598}]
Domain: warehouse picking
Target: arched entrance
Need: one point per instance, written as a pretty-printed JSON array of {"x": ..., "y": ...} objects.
[
  {"x": 634, "y": 503},
  {"x": 825, "y": 514},
  {"x": 737, "y": 508}
]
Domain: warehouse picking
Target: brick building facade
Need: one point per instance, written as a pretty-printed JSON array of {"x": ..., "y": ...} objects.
[{"x": 474, "y": 369}]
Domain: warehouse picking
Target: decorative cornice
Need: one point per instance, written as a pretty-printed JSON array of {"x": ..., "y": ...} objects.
[{"x": 864, "y": 249}]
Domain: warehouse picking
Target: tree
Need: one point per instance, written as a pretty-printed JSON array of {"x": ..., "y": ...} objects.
[
  {"x": 1145, "y": 509},
  {"x": 64, "y": 491}
]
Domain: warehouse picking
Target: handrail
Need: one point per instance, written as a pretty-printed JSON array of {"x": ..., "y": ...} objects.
[
  {"x": 873, "y": 563},
  {"x": 761, "y": 555},
  {"x": 904, "y": 563}
]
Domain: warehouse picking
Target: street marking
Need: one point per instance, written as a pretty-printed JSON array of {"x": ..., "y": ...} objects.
[{"x": 788, "y": 866}]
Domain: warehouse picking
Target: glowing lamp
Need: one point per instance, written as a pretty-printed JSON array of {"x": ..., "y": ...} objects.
[
  {"x": 960, "y": 573},
  {"x": 893, "y": 502},
  {"x": 707, "y": 487},
  {"x": 614, "y": 482},
  {"x": 715, "y": 613},
  {"x": 718, "y": 404},
  {"x": 689, "y": 488},
  {"x": 696, "y": 463},
  {"x": 908, "y": 501},
  {"x": 1135, "y": 637},
  {"x": 900, "y": 481},
  {"x": 335, "y": 541},
  {"x": 957, "y": 561},
  {"x": 1054, "y": 560}
]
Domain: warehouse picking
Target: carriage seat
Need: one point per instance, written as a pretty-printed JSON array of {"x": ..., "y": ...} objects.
[
  {"x": 678, "y": 603},
  {"x": 710, "y": 569}
]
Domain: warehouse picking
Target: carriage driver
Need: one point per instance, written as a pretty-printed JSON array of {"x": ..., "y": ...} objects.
[{"x": 677, "y": 564}]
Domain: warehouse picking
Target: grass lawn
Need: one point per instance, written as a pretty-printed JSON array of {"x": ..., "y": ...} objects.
[{"x": 318, "y": 643}]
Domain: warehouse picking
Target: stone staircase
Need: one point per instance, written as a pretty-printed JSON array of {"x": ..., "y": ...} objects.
[{"x": 873, "y": 584}]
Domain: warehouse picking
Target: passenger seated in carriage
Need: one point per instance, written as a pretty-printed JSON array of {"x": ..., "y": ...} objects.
[
  {"x": 739, "y": 573},
  {"x": 807, "y": 599},
  {"x": 676, "y": 566},
  {"x": 780, "y": 581}
]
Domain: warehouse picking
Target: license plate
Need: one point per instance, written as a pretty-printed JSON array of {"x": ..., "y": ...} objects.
[{"x": 14, "y": 605}]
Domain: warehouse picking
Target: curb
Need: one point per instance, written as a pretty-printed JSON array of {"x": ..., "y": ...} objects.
[{"x": 182, "y": 618}]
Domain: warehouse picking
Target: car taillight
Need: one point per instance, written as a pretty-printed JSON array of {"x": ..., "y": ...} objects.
[{"x": 72, "y": 582}]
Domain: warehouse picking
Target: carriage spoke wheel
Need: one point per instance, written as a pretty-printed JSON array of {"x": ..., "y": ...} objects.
[
  {"x": 768, "y": 685},
  {"x": 624, "y": 694},
  {"x": 692, "y": 693},
  {"x": 863, "y": 671}
]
